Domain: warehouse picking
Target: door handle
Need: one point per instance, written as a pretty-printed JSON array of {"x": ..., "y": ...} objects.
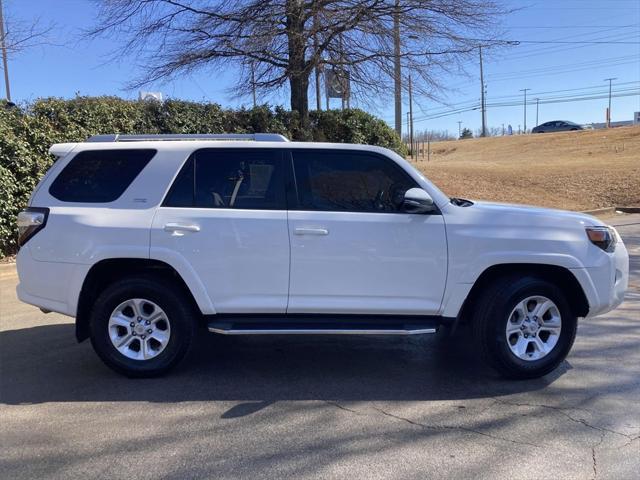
[
  {"x": 178, "y": 229},
  {"x": 310, "y": 231}
]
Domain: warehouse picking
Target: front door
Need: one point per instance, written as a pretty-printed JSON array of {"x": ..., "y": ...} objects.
[
  {"x": 225, "y": 217},
  {"x": 353, "y": 249}
]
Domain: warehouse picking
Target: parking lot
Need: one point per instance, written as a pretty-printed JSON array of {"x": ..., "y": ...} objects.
[{"x": 319, "y": 407}]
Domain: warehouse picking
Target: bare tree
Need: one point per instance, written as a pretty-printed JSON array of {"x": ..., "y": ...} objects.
[
  {"x": 432, "y": 136},
  {"x": 285, "y": 40},
  {"x": 21, "y": 34},
  {"x": 17, "y": 35}
]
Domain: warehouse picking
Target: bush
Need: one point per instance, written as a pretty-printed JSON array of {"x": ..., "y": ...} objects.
[{"x": 26, "y": 133}]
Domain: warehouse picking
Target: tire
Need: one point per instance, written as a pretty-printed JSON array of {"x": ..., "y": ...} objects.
[
  {"x": 502, "y": 306},
  {"x": 166, "y": 312}
]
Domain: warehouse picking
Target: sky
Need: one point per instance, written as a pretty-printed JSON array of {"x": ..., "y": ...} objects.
[{"x": 71, "y": 65}]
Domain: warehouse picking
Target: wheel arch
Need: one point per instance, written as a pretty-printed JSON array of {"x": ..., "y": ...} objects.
[
  {"x": 105, "y": 272},
  {"x": 561, "y": 276}
]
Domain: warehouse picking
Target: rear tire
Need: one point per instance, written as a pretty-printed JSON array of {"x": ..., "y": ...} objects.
[
  {"x": 142, "y": 326},
  {"x": 510, "y": 340}
]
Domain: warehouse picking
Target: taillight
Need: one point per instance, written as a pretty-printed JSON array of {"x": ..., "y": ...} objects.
[
  {"x": 603, "y": 237},
  {"x": 30, "y": 221}
]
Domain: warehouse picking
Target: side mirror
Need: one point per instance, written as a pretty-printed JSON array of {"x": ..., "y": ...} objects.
[{"x": 416, "y": 200}]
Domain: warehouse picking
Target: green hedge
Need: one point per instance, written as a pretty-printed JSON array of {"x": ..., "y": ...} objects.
[{"x": 27, "y": 132}]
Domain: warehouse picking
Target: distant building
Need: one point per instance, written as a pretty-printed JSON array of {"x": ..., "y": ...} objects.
[
  {"x": 624, "y": 123},
  {"x": 150, "y": 96}
]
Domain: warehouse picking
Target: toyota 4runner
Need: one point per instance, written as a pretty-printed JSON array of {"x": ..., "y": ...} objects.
[{"x": 144, "y": 239}]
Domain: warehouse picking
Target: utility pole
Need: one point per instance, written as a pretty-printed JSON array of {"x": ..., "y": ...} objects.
[
  {"x": 410, "y": 145},
  {"x": 525, "y": 107},
  {"x": 318, "y": 91},
  {"x": 537, "y": 104},
  {"x": 609, "y": 109},
  {"x": 253, "y": 83},
  {"x": 342, "y": 75},
  {"x": 318, "y": 66},
  {"x": 459, "y": 128},
  {"x": 482, "y": 100},
  {"x": 410, "y": 115},
  {"x": 397, "y": 72},
  {"x": 3, "y": 46}
]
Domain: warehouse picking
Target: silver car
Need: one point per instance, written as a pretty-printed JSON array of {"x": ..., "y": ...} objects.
[{"x": 557, "y": 126}]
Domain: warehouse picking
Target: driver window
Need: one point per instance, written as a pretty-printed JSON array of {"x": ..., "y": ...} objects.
[{"x": 338, "y": 180}]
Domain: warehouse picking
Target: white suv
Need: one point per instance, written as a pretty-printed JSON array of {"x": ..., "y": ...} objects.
[{"x": 143, "y": 239}]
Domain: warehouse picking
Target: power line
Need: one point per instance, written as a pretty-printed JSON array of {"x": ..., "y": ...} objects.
[
  {"x": 541, "y": 101},
  {"x": 545, "y": 51},
  {"x": 562, "y": 72},
  {"x": 564, "y": 27},
  {"x": 600, "y": 61},
  {"x": 472, "y": 102}
]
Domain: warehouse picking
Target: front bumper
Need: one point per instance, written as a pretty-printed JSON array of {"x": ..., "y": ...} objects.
[{"x": 605, "y": 285}]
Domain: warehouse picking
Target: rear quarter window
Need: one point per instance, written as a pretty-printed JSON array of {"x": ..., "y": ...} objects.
[{"x": 99, "y": 176}]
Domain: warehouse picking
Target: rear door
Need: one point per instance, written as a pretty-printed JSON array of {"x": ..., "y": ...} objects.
[
  {"x": 353, "y": 249},
  {"x": 225, "y": 217}
]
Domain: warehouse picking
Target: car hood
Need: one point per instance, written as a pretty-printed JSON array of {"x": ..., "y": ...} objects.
[{"x": 508, "y": 213}]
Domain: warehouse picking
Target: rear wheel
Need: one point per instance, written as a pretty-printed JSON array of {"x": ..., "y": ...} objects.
[
  {"x": 142, "y": 326},
  {"x": 525, "y": 326}
]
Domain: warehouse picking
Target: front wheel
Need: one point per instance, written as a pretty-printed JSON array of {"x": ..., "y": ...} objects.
[
  {"x": 142, "y": 326},
  {"x": 525, "y": 326}
]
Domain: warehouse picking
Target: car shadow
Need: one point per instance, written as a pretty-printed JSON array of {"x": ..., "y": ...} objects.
[{"x": 44, "y": 364}]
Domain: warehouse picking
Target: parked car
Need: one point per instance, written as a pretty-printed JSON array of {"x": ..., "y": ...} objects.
[
  {"x": 143, "y": 239},
  {"x": 556, "y": 126}
]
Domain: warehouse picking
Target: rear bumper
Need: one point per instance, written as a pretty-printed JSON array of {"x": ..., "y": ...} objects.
[
  {"x": 51, "y": 286},
  {"x": 41, "y": 302},
  {"x": 605, "y": 285}
]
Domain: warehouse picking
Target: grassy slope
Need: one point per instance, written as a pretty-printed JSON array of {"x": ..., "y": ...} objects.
[{"x": 571, "y": 170}]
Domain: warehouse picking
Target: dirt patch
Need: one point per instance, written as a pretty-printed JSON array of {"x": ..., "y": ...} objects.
[{"x": 573, "y": 170}]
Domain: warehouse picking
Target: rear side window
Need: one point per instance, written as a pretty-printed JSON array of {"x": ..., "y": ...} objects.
[
  {"x": 349, "y": 181},
  {"x": 99, "y": 176},
  {"x": 230, "y": 178}
]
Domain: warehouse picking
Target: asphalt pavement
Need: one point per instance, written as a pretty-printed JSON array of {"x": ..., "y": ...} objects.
[{"x": 319, "y": 407}]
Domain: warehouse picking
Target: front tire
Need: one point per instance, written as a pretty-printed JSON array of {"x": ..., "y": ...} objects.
[
  {"x": 142, "y": 326},
  {"x": 524, "y": 326}
]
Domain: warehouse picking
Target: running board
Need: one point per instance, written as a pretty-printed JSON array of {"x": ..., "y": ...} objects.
[{"x": 314, "y": 327}]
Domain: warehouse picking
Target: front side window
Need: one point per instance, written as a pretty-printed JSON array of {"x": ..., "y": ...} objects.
[
  {"x": 349, "y": 181},
  {"x": 99, "y": 176},
  {"x": 230, "y": 178}
]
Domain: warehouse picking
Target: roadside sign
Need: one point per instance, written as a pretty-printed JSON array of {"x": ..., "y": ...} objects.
[{"x": 337, "y": 82}]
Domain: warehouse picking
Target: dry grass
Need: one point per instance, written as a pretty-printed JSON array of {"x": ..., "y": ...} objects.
[{"x": 571, "y": 170}]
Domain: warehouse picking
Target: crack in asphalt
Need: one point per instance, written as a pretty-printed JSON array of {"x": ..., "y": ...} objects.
[
  {"x": 341, "y": 407},
  {"x": 594, "y": 464},
  {"x": 562, "y": 411},
  {"x": 454, "y": 427},
  {"x": 432, "y": 427}
]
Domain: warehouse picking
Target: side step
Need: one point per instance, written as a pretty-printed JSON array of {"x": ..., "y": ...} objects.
[{"x": 300, "y": 325}]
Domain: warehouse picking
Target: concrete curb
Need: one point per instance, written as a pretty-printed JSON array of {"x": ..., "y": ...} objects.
[
  {"x": 607, "y": 211},
  {"x": 601, "y": 211},
  {"x": 628, "y": 209}
]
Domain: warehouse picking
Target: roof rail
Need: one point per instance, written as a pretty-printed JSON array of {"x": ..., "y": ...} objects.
[{"x": 257, "y": 137}]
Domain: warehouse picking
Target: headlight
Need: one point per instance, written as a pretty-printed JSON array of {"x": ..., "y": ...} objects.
[{"x": 602, "y": 237}]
